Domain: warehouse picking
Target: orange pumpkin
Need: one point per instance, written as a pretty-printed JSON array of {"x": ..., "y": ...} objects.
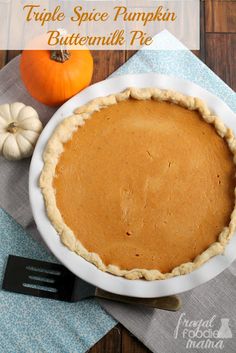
[{"x": 52, "y": 77}]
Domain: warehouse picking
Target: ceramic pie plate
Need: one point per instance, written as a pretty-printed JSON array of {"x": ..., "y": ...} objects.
[{"x": 76, "y": 264}]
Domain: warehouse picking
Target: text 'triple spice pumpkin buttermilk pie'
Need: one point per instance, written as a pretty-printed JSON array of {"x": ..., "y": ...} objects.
[{"x": 142, "y": 183}]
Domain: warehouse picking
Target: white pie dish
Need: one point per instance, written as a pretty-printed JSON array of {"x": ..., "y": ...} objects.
[{"x": 79, "y": 266}]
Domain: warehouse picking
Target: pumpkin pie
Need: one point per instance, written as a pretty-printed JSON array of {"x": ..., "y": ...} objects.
[{"x": 142, "y": 183}]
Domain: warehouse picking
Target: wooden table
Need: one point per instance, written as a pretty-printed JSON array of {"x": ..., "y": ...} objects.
[{"x": 218, "y": 51}]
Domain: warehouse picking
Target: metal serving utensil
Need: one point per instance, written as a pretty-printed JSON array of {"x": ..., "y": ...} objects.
[{"x": 54, "y": 281}]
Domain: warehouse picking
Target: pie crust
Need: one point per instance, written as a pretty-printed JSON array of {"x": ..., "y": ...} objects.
[{"x": 64, "y": 132}]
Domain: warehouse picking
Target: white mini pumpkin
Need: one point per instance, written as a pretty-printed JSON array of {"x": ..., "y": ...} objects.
[{"x": 20, "y": 128}]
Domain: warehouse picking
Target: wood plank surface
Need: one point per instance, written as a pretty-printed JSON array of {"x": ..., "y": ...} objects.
[
  {"x": 130, "y": 344},
  {"x": 220, "y": 16},
  {"x": 218, "y": 51},
  {"x": 201, "y": 53},
  {"x": 221, "y": 56},
  {"x": 3, "y": 55},
  {"x": 111, "y": 343},
  {"x": 110, "y": 59},
  {"x": 12, "y": 54}
]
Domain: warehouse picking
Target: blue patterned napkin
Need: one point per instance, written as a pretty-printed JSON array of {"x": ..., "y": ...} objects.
[
  {"x": 178, "y": 62},
  {"x": 29, "y": 324}
]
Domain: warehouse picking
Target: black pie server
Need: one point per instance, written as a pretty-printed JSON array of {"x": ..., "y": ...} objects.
[{"x": 54, "y": 281}]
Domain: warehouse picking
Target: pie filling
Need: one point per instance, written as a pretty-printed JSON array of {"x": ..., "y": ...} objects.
[{"x": 145, "y": 184}]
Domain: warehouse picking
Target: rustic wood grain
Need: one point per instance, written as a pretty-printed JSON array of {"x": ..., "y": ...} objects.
[
  {"x": 220, "y": 56},
  {"x": 110, "y": 59},
  {"x": 129, "y": 54},
  {"x": 3, "y": 55},
  {"x": 201, "y": 52},
  {"x": 220, "y": 16},
  {"x": 111, "y": 343},
  {"x": 11, "y": 54},
  {"x": 130, "y": 344}
]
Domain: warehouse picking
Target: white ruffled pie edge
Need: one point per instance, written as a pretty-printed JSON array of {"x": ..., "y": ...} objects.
[{"x": 64, "y": 132}]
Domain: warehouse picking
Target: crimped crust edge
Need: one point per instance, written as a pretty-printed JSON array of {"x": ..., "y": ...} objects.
[{"x": 64, "y": 132}]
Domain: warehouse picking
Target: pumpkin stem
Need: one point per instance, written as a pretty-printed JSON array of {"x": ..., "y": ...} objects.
[
  {"x": 12, "y": 128},
  {"x": 60, "y": 56}
]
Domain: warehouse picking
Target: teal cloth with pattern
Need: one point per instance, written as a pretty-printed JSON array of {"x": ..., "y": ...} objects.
[{"x": 29, "y": 324}]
